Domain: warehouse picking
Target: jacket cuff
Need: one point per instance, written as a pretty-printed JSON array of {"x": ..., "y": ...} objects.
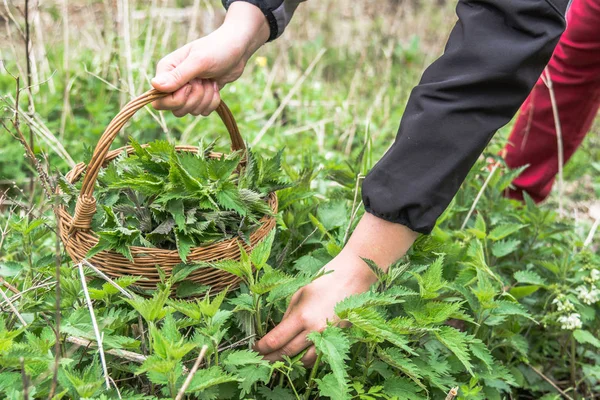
[{"x": 267, "y": 12}]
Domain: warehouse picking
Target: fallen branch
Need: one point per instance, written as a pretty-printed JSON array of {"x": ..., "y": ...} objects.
[
  {"x": 189, "y": 378},
  {"x": 125, "y": 354}
]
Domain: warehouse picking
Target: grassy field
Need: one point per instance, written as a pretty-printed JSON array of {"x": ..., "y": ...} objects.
[{"x": 488, "y": 308}]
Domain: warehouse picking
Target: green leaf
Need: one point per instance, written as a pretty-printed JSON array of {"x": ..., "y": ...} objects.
[
  {"x": 206, "y": 378},
  {"x": 334, "y": 347},
  {"x": 479, "y": 350},
  {"x": 529, "y": 277},
  {"x": 431, "y": 282},
  {"x": 184, "y": 244},
  {"x": 374, "y": 324},
  {"x": 396, "y": 359},
  {"x": 260, "y": 253},
  {"x": 364, "y": 300},
  {"x": 586, "y": 337},
  {"x": 523, "y": 291},
  {"x": 269, "y": 281},
  {"x": 505, "y": 247},
  {"x": 504, "y": 230},
  {"x": 456, "y": 342},
  {"x": 402, "y": 389}
]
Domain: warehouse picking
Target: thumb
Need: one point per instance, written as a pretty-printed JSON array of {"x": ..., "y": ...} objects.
[{"x": 175, "y": 78}]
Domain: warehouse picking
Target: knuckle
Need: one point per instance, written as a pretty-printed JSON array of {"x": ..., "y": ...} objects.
[{"x": 272, "y": 342}]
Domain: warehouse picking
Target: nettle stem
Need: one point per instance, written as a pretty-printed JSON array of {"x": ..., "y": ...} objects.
[{"x": 313, "y": 375}]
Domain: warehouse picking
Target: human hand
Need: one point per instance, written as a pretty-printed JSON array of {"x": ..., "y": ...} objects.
[
  {"x": 194, "y": 73},
  {"x": 312, "y": 306}
]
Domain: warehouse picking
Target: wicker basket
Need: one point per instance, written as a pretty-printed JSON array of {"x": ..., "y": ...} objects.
[{"x": 78, "y": 238}]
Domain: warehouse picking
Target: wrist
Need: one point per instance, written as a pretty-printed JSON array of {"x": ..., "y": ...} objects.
[
  {"x": 247, "y": 23},
  {"x": 379, "y": 240}
]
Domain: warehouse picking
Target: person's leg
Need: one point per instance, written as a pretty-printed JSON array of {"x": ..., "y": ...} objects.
[{"x": 575, "y": 73}]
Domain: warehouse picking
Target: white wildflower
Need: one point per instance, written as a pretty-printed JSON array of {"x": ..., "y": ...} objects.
[
  {"x": 594, "y": 275},
  {"x": 588, "y": 296},
  {"x": 570, "y": 321},
  {"x": 563, "y": 305}
]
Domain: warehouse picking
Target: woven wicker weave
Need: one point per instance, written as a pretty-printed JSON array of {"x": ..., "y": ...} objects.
[{"x": 78, "y": 238}]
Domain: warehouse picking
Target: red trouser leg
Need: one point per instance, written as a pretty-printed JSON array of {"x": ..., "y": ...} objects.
[{"x": 575, "y": 73}]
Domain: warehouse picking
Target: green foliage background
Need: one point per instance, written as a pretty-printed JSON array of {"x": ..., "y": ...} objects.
[{"x": 479, "y": 308}]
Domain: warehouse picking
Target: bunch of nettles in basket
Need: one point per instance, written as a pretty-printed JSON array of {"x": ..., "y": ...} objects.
[{"x": 159, "y": 197}]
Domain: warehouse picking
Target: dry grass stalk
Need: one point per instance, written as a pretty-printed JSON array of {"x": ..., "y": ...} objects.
[
  {"x": 547, "y": 79},
  {"x": 474, "y": 205},
  {"x": 551, "y": 382},
  {"x": 288, "y": 97},
  {"x": 107, "y": 279},
  {"x": 94, "y": 323},
  {"x": 193, "y": 371},
  {"x": 13, "y": 308}
]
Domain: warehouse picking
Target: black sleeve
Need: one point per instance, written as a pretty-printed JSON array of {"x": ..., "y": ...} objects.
[
  {"x": 494, "y": 55},
  {"x": 278, "y": 13}
]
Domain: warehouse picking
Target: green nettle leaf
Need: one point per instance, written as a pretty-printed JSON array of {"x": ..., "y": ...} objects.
[
  {"x": 529, "y": 277},
  {"x": 375, "y": 325},
  {"x": 479, "y": 350},
  {"x": 504, "y": 230},
  {"x": 505, "y": 247},
  {"x": 586, "y": 337},
  {"x": 240, "y": 269},
  {"x": 365, "y": 300},
  {"x": 270, "y": 280},
  {"x": 456, "y": 342},
  {"x": 206, "y": 378},
  {"x": 393, "y": 357},
  {"x": 260, "y": 253},
  {"x": 334, "y": 347},
  {"x": 402, "y": 389},
  {"x": 184, "y": 244},
  {"x": 431, "y": 281},
  {"x": 432, "y": 312},
  {"x": 151, "y": 309}
]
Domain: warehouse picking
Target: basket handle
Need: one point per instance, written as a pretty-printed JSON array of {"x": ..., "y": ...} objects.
[{"x": 85, "y": 207}]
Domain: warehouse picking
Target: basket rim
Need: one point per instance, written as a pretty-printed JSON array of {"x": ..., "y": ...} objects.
[{"x": 139, "y": 251}]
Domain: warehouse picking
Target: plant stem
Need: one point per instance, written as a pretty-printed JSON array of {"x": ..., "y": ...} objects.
[
  {"x": 311, "y": 378},
  {"x": 292, "y": 386},
  {"x": 573, "y": 365}
]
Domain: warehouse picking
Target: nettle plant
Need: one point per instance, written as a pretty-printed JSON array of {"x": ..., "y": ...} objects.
[{"x": 160, "y": 197}]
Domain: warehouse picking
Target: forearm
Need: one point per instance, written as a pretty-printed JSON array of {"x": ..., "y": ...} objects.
[{"x": 246, "y": 22}]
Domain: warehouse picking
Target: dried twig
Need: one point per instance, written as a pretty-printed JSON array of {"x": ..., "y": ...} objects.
[
  {"x": 94, "y": 323},
  {"x": 125, "y": 354},
  {"x": 287, "y": 98},
  {"x": 8, "y": 286},
  {"x": 550, "y": 381},
  {"x": 57, "y": 313},
  {"x": 547, "y": 79},
  {"x": 474, "y": 205},
  {"x": 452, "y": 393},
  {"x": 193, "y": 371},
  {"x": 13, "y": 308},
  {"x": 107, "y": 279}
]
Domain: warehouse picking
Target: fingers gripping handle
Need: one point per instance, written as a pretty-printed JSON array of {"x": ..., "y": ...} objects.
[{"x": 86, "y": 203}]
